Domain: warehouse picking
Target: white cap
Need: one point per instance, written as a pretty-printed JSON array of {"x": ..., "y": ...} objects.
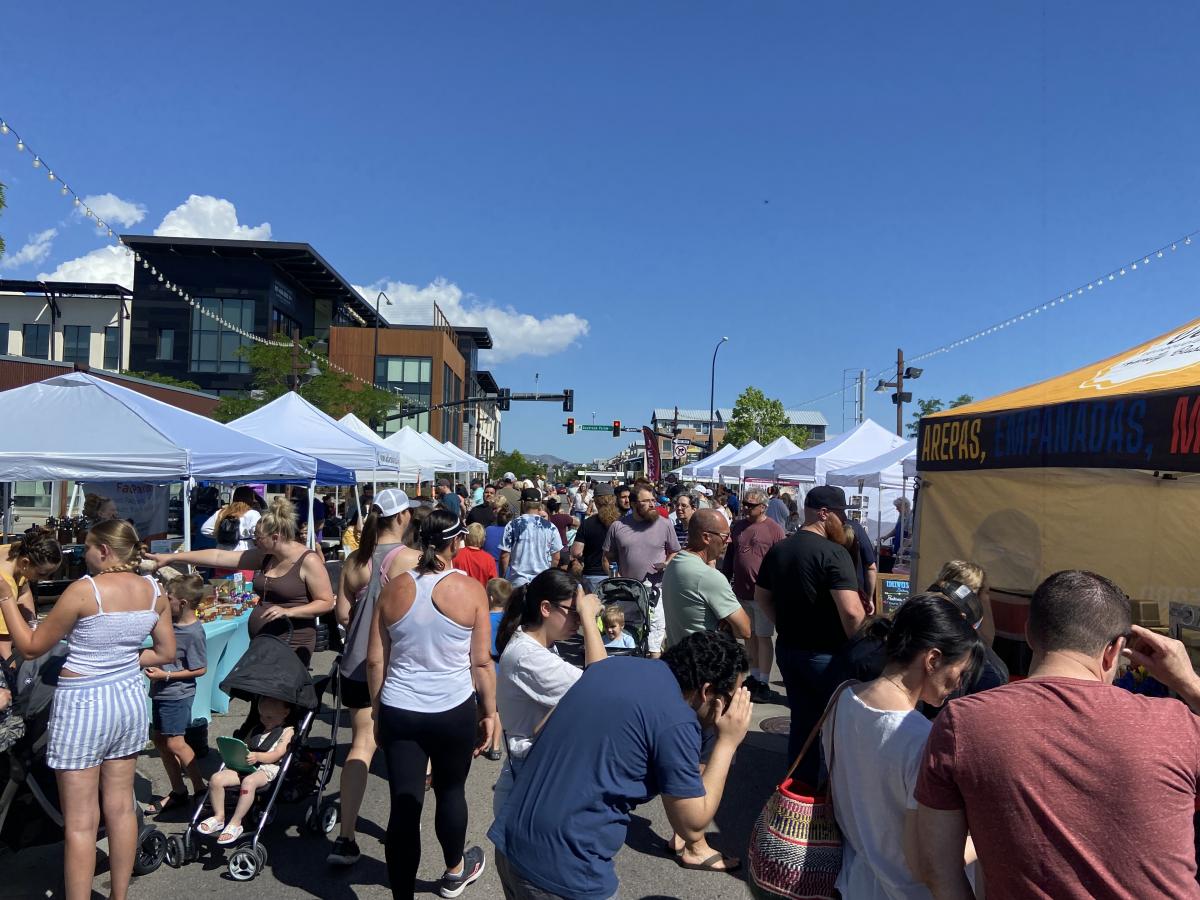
[
  {"x": 391, "y": 502},
  {"x": 701, "y": 489},
  {"x": 509, "y": 476}
]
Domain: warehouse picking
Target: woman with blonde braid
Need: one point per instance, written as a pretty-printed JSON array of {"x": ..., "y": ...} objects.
[{"x": 98, "y": 721}]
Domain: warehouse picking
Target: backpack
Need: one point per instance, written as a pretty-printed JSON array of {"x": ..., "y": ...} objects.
[{"x": 229, "y": 532}]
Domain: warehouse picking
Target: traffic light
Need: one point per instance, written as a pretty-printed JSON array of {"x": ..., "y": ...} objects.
[
  {"x": 568, "y": 400},
  {"x": 504, "y": 400},
  {"x": 616, "y": 427},
  {"x": 571, "y": 425}
]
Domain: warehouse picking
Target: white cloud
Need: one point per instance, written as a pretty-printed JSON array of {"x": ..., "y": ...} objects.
[
  {"x": 198, "y": 216},
  {"x": 35, "y": 251},
  {"x": 209, "y": 217},
  {"x": 104, "y": 265},
  {"x": 513, "y": 333},
  {"x": 115, "y": 211}
]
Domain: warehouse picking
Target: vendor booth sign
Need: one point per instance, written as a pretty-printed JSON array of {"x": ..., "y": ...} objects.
[{"x": 145, "y": 505}]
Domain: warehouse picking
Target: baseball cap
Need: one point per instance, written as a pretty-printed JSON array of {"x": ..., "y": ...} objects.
[
  {"x": 603, "y": 490},
  {"x": 509, "y": 476},
  {"x": 391, "y": 501},
  {"x": 528, "y": 494},
  {"x": 701, "y": 489},
  {"x": 825, "y": 496}
]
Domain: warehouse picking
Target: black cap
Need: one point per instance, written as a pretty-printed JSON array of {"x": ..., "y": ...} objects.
[
  {"x": 528, "y": 494},
  {"x": 825, "y": 496}
]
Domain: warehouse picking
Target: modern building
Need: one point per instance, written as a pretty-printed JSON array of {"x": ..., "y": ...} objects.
[
  {"x": 266, "y": 288},
  {"x": 272, "y": 288},
  {"x": 66, "y": 321},
  {"x": 693, "y": 425}
]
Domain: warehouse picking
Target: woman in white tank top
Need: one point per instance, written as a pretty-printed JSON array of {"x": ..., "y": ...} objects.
[
  {"x": 98, "y": 720},
  {"x": 433, "y": 692}
]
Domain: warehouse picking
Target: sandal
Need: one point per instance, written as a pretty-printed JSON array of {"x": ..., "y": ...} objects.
[
  {"x": 231, "y": 835},
  {"x": 211, "y": 825},
  {"x": 494, "y": 755},
  {"x": 173, "y": 800},
  {"x": 730, "y": 864}
]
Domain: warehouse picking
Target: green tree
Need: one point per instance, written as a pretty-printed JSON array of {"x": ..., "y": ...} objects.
[
  {"x": 165, "y": 379},
  {"x": 757, "y": 417},
  {"x": 514, "y": 461},
  {"x": 928, "y": 407},
  {"x": 333, "y": 393}
]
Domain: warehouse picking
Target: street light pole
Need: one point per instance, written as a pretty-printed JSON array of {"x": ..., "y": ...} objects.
[
  {"x": 375, "y": 358},
  {"x": 712, "y": 390}
]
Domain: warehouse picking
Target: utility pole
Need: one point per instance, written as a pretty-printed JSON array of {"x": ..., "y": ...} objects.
[
  {"x": 901, "y": 396},
  {"x": 296, "y": 360}
]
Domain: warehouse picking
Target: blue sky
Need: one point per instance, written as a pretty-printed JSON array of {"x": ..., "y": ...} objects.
[{"x": 820, "y": 182}]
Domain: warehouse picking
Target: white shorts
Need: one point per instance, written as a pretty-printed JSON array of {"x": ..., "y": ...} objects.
[{"x": 760, "y": 625}]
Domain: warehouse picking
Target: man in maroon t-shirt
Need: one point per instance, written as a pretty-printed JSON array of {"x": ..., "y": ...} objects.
[
  {"x": 1071, "y": 788},
  {"x": 749, "y": 540}
]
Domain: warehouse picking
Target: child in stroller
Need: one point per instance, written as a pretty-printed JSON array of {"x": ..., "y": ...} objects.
[{"x": 268, "y": 743}]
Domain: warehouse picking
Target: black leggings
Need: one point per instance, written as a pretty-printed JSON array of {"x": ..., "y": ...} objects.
[{"x": 409, "y": 740}]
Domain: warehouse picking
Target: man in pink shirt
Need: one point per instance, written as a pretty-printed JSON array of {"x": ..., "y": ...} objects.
[
  {"x": 1070, "y": 788},
  {"x": 750, "y": 539}
]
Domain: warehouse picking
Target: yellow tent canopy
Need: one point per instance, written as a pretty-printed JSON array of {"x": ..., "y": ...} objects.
[{"x": 1089, "y": 470}]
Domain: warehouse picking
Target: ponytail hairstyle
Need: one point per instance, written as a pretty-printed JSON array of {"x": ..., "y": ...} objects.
[
  {"x": 248, "y": 495},
  {"x": 280, "y": 519},
  {"x": 37, "y": 546},
  {"x": 929, "y": 621},
  {"x": 235, "y": 509},
  {"x": 92, "y": 504},
  {"x": 122, "y": 539},
  {"x": 437, "y": 532},
  {"x": 606, "y": 509},
  {"x": 419, "y": 515},
  {"x": 373, "y": 523},
  {"x": 525, "y": 606}
]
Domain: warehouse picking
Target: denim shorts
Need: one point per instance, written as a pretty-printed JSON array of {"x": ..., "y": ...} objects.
[{"x": 172, "y": 716}]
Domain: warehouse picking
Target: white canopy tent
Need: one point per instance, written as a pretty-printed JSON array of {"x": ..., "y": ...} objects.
[
  {"x": 417, "y": 451},
  {"x": 477, "y": 465},
  {"x": 706, "y": 470},
  {"x": 77, "y": 427},
  {"x": 884, "y": 476},
  {"x": 864, "y": 441},
  {"x": 736, "y": 468},
  {"x": 456, "y": 462},
  {"x": 689, "y": 471},
  {"x": 407, "y": 471}
]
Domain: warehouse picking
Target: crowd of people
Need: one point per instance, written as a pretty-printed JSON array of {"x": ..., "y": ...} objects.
[{"x": 458, "y": 613}]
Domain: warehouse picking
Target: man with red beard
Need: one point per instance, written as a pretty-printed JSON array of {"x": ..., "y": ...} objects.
[
  {"x": 808, "y": 588},
  {"x": 641, "y": 545}
]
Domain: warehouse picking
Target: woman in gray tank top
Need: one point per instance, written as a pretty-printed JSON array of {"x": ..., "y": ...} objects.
[{"x": 381, "y": 550}]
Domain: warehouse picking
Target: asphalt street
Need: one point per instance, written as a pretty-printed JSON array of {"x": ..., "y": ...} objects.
[{"x": 297, "y": 867}]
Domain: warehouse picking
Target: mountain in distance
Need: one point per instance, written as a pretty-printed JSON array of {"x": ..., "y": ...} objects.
[{"x": 549, "y": 460}]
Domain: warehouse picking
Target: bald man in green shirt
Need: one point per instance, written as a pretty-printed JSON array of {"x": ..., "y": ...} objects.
[{"x": 695, "y": 595}]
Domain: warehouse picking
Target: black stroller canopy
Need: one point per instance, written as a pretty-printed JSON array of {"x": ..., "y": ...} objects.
[{"x": 271, "y": 668}]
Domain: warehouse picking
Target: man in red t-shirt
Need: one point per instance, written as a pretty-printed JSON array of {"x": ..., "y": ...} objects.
[
  {"x": 749, "y": 540},
  {"x": 1071, "y": 788}
]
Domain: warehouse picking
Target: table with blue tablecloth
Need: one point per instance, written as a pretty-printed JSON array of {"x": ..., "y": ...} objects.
[{"x": 226, "y": 640}]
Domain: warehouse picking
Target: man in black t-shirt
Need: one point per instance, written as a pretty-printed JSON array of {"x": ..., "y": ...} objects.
[{"x": 807, "y": 586}]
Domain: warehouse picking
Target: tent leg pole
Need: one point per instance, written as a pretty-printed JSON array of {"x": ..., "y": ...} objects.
[
  {"x": 187, "y": 516},
  {"x": 312, "y": 525},
  {"x": 74, "y": 494}
]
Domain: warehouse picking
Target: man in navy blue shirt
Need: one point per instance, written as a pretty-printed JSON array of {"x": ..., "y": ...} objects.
[{"x": 626, "y": 732}]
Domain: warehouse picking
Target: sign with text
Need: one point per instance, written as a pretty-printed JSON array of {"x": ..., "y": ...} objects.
[
  {"x": 652, "y": 458},
  {"x": 1149, "y": 431},
  {"x": 890, "y": 593}
]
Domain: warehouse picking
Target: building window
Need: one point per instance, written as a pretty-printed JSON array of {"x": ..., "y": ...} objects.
[
  {"x": 283, "y": 324},
  {"x": 451, "y": 415},
  {"x": 36, "y": 497},
  {"x": 165, "y": 349},
  {"x": 412, "y": 376},
  {"x": 77, "y": 341},
  {"x": 4, "y": 338},
  {"x": 112, "y": 348},
  {"x": 214, "y": 347},
  {"x": 35, "y": 340}
]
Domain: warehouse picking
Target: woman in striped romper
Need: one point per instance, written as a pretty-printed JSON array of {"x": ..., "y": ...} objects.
[{"x": 98, "y": 722}]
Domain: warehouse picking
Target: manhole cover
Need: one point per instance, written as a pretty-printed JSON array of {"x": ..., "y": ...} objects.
[{"x": 776, "y": 725}]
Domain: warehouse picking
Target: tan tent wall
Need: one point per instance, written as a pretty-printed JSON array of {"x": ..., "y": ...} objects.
[{"x": 1024, "y": 524}]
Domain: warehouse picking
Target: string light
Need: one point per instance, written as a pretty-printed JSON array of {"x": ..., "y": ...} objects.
[
  {"x": 103, "y": 227},
  {"x": 1111, "y": 275}
]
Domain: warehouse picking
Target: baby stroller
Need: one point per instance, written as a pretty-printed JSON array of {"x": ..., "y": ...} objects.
[
  {"x": 30, "y": 813},
  {"x": 270, "y": 668},
  {"x": 635, "y": 600}
]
